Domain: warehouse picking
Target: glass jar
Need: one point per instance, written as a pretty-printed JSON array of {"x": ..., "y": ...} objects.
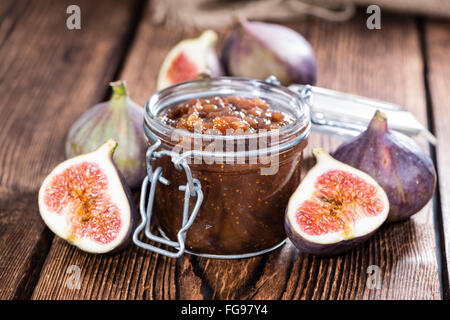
[{"x": 221, "y": 196}]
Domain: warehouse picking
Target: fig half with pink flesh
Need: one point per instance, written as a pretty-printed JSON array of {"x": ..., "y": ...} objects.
[
  {"x": 86, "y": 201},
  {"x": 189, "y": 59},
  {"x": 335, "y": 208}
]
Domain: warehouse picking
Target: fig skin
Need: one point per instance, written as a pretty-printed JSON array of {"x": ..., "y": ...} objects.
[
  {"x": 324, "y": 164},
  {"x": 405, "y": 172},
  {"x": 258, "y": 50},
  {"x": 103, "y": 157}
]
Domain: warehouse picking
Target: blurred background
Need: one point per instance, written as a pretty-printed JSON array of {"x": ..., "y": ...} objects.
[{"x": 219, "y": 13}]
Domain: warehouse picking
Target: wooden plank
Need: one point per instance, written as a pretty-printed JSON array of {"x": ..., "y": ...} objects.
[
  {"x": 48, "y": 76},
  {"x": 383, "y": 64},
  {"x": 437, "y": 42}
]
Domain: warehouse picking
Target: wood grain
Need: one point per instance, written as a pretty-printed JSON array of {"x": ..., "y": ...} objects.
[
  {"x": 437, "y": 35},
  {"x": 384, "y": 64},
  {"x": 48, "y": 76}
]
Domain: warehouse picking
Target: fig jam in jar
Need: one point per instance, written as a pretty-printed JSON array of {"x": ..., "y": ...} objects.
[{"x": 243, "y": 141}]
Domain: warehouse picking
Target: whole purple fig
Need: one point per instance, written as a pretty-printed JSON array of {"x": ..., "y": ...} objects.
[
  {"x": 121, "y": 119},
  {"x": 258, "y": 50},
  {"x": 396, "y": 162}
]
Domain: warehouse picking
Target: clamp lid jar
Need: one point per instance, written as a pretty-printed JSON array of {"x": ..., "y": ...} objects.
[{"x": 221, "y": 195}]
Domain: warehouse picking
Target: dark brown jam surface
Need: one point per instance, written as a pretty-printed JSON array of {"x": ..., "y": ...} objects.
[{"x": 217, "y": 115}]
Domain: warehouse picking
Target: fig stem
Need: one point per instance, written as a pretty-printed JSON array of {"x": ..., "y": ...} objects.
[
  {"x": 380, "y": 115},
  {"x": 241, "y": 19},
  {"x": 378, "y": 122},
  {"x": 319, "y": 153},
  {"x": 119, "y": 96},
  {"x": 109, "y": 146},
  {"x": 209, "y": 38}
]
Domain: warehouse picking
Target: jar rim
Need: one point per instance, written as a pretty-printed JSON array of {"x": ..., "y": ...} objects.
[{"x": 226, "y": 86}]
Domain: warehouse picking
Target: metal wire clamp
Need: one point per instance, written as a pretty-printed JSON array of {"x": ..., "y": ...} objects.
[{"x": 192, "y": 188}]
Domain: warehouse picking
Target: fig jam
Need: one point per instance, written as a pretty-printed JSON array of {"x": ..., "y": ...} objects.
[
  {"x": 244, "y": 200},
  {"x": 217, "y": 115},
  {"x": 242, "y": 211}
]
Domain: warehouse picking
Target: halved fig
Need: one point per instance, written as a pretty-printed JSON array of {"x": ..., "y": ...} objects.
[
  {"x": 335, "y": 208},
  {"x": 189, "y": 59},
  {"x": 86, "y": 201}
]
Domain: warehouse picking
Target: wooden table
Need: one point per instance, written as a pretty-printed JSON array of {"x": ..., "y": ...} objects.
[{"x": 49, "y": 75}]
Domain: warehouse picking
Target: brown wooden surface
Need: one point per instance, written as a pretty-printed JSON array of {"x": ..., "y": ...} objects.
[
  {"x": 437, "y": 35},
  {"x": 64, "y": 74},
  {"x": 48, "y": 77}
]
